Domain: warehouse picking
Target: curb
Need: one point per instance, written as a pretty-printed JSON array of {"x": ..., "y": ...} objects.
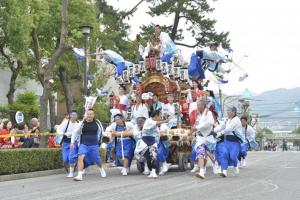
[{"x": 11, "y": 177}]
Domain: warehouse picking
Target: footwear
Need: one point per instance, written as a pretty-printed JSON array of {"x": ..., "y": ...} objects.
[
  {"x": 196, "y": 168},
  {"x": 161, "y": 172},
  {"x": 150, "y": 175},
  {"x": 201, "y": 174},
  {"x": 146, "y": 170},
  {"x": 78, "y": 178},
  {"x": 124, "y": 171},
  {"x": 215, "y": 168},
  {"x": 240, "y": 163},
  {"x": 219, "y": 171},
  {"x": 237, "y": 170},
  {"x": 102, "y": 172},
  {"x": 224, "y": 173},
  {"x": 83, "y": 172},
  {"x": 165, "y": 167},
  {"x": 153, "y": 174},
  {"x": 70, "y": 175},
  {"x": 244, "y": 163},
  {"x": 71, "y": 172}
]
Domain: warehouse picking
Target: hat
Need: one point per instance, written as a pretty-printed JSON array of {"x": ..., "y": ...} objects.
[
  {"x": 232, "y": 109},
  {"x": 73, "y": 112},
  {"x": 244, "y": 117},
  {"x": 114, "y": 112},
  {"x": 140, "y": 120},
  {"x": 118, "y": 116}
]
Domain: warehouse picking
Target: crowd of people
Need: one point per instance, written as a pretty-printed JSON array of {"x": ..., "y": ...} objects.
[
  {"x": 142, "y": 124},
  {"x": 141, "y": 129},
  {"x": 20, "y": 135}
]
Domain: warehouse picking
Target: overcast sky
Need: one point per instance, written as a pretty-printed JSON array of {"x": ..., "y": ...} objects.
[{"x": 267, "y": 31}]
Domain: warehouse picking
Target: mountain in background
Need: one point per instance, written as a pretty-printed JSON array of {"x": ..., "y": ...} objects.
[{"x": 276, "y": 108}]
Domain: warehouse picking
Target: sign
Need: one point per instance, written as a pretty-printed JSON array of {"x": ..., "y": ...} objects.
[
  {"x": 89, "y": 102},
  {"x": 19, "y": 117}
]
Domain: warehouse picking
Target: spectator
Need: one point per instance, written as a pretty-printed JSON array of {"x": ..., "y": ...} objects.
[
  {"x": 26, "y": 140},
  {"x": 51, "y": 143},
  {"x": 6, "y": 128},
  {"x": 35, "y": 130}
]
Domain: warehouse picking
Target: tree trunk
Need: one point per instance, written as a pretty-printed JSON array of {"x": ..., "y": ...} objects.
[
  {"x": 48, "y": 71},
  {"x": 12, "y": 88},
  {"x": 52, "y": 108},
  {"x": 64, "y": 79},
  {"x": 100, "y": 6},
  {"x": 36, "y": 50},
  {"x": 11, "y": 91},
  {"x": 43, "y": 118},
  {"x": 175, "y": 25}
]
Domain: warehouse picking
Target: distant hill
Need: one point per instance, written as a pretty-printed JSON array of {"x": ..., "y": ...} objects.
[{"x": 276, "y": 108}]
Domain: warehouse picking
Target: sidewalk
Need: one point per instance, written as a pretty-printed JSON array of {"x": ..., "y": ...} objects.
[{"x": 11, "y": 177}]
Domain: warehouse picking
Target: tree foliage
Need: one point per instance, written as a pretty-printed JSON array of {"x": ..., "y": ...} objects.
[
  {"x": 26, "y": 102},
  {"x": 189, "y": 17},
  {"x": 296, "y": 130}
]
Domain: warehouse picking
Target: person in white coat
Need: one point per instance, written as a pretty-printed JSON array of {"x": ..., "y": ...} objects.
[
  {"x": 204, "y": 126},
  {"x": 139, "y": 109},
  {"x": 232, "y": 131},
  {"x": 124, "y": 142},
  {"x": 249, "y": 134},
  {"x": 65, "y": 131}
]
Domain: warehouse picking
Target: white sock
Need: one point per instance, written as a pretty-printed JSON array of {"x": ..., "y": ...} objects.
[
  {"x": 80, "y": 173},
  {"x": 71, "y": 170}
]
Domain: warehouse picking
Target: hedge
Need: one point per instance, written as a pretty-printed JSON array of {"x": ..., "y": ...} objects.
[{"x": 14, "y": 161}]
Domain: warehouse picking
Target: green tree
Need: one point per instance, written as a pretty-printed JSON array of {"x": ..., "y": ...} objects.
[
  {"x": 15, "y": 28},
  {"x": 27, "y": 103},
  {"x": 189, "y": 17},
  {"x": 296, "y": 130}
]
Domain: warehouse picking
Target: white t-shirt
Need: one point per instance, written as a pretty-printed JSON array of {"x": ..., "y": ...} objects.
[
  {"x": 140, "y": 110},
  {"x": 150, "y": 128}
]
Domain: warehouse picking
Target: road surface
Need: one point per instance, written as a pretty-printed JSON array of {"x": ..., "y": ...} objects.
[{"x": 268, "y": 176}]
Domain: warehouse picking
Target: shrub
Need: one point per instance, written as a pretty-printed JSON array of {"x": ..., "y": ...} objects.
[
  {"x": 14, "y": 161},
  {"x": 27, "y": 103}
]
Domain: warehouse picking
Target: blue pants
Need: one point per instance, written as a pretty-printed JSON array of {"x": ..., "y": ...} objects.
[
  {"x": 219, "y": 147},
  {"x": 128, "y": 148},
  {"x": 229, "y": 152},
  {"x": 243, "y": 151},
  {"x": 91, "y": 154},
  {"x": 120, "y": 68},
  {"x": 69, "y": 156},
  {"x": 163, "y": 151},
  {"x": 193, "y": 155},
  {"x": 195, "y": 69},
  {"x": 167, "y": 57}
]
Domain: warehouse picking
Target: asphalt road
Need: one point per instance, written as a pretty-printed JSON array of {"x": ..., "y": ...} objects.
[{"x": 268, "y": 176}]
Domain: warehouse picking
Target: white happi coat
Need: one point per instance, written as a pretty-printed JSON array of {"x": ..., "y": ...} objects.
[
  {"x": 204, "y": 125},
  {"x": 140, "y": 110},
  {"x": 169, "y": 109},
  {"x": 249, "y": 133},
  {"x": 229, "y": 126}
]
